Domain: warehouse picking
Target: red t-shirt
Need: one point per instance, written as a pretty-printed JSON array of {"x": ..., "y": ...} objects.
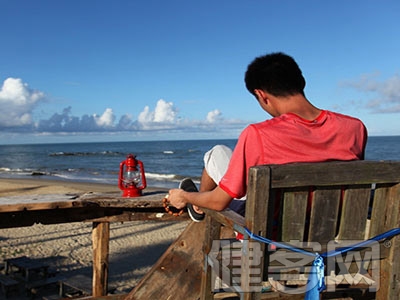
[{"x": 290, "y": 138}]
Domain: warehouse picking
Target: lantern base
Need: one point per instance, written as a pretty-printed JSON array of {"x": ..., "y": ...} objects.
[{"x": 130, "y": 193}]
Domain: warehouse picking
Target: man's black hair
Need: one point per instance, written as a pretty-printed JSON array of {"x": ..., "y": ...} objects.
[{"x": 275, "y": 73}]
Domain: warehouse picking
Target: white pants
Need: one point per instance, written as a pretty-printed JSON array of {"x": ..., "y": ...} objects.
[{"x": 216, "y": 163}]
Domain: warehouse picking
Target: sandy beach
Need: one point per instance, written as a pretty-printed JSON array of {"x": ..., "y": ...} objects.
[{"x": 67, "y": 248}]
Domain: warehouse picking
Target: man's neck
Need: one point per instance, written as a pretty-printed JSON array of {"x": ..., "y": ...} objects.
[{"x": 298, "y": 105}]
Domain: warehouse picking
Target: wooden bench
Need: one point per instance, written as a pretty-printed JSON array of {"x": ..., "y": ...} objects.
[
  {"x": 27, "y": 267},
  {"x": 351, "y": 201},
  {"x": 7, "y": 284},
  {"x": 33, "y": 287},
  {"x": 78, "y": 284}
]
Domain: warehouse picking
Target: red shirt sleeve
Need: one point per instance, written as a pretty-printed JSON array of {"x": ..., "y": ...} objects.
[{"x": 246, "y": 154}]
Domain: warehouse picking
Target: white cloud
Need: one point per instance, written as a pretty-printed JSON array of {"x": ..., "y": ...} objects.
[
  {"x": 164, "y": 112},
  {"x": 125, "y": 122},
  {"x": 17, "y": 102},
  {"x": 66, "y": 122},
  {"x": 214, "y": 116},
  {"x": 145, "y": 116},
  {"x": 163, "y": 116},
  {"x": 106, "y": 119},
  {"x": 386, "y": 93}
]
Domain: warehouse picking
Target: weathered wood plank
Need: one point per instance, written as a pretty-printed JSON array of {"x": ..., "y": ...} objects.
[
  {"x": 212, "y": 233},
  {"x": 257, "y": 206},
  {"x": 390, "y": 267},
  {"x": 228, "y": 218},
  {"x": 294, "y": 209},
  {"x": 354, "y": 216},
  {"x": 59, "y": 201},
  {"x": 258, "y": 200},
  {"x": 334, "y": 173},
  {"x": 147, "y": 201},
  {"x": 380, "y": 209},
  {"x": 177, "y": 274},
  {"x": 18, "y": 211},
  {"x": 324, "y": 215},
  {"x": 379, "y": 213},
  {"x": 108, "y": 297},
  {"x": 100, "y": 240},
  {"x": 38, "y": 202},
  {"x": 84, "y": 214},
  {"x": 51, "y": 216},
  {"x": 128, "y": 215}
]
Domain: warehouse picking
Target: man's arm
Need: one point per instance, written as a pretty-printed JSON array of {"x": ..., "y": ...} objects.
[{"x": 217, "y": 199}]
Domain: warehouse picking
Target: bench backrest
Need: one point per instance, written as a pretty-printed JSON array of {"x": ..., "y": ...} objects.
[
  {"x": 320, "y": 202},
  {"x": 344, "y": 196}
]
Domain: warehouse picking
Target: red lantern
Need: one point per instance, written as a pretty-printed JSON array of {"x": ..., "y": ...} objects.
[{"x": 131, "y": 177}]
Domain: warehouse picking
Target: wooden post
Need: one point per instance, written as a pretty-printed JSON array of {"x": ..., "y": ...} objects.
[
  {"x": 100, "y": 240},
  {"x": 212, "y": 233}
]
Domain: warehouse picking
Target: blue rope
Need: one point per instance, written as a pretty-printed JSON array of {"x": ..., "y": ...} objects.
[
  {"x": 366, "y": 243},
  {"x": 316, "y": 283}
]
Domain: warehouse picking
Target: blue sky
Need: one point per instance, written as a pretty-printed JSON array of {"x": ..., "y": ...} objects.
[{"x": 146, "y": 70}]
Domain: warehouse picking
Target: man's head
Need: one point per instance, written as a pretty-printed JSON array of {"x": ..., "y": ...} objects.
[{"x": 275, "y": 73}]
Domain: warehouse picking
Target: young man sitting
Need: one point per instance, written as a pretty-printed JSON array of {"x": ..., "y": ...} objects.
[{"x": 298, "y": 132}]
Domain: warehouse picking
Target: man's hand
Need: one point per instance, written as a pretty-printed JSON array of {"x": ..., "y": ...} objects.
[
  {"x": 216, "y": 199},
  {"x": 176, "y": 198}
]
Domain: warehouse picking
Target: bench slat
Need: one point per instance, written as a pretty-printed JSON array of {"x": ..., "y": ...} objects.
[
  {"x": 294, "y": 210},
  {"x": 324, "y": 215},
  {"x": 353, "y": 221},
  {"x": 345, "y": 173}
]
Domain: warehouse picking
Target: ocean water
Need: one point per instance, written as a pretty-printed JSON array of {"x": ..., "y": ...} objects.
[{"x": 165, "y": 162}]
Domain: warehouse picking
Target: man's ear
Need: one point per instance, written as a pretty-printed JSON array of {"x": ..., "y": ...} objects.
[{"x": 261, "y": 95}]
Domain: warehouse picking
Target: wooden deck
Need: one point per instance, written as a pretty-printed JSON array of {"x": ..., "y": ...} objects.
[
  {"x": 100, "y": 209},
  {"x": 182, "y": 272}
]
